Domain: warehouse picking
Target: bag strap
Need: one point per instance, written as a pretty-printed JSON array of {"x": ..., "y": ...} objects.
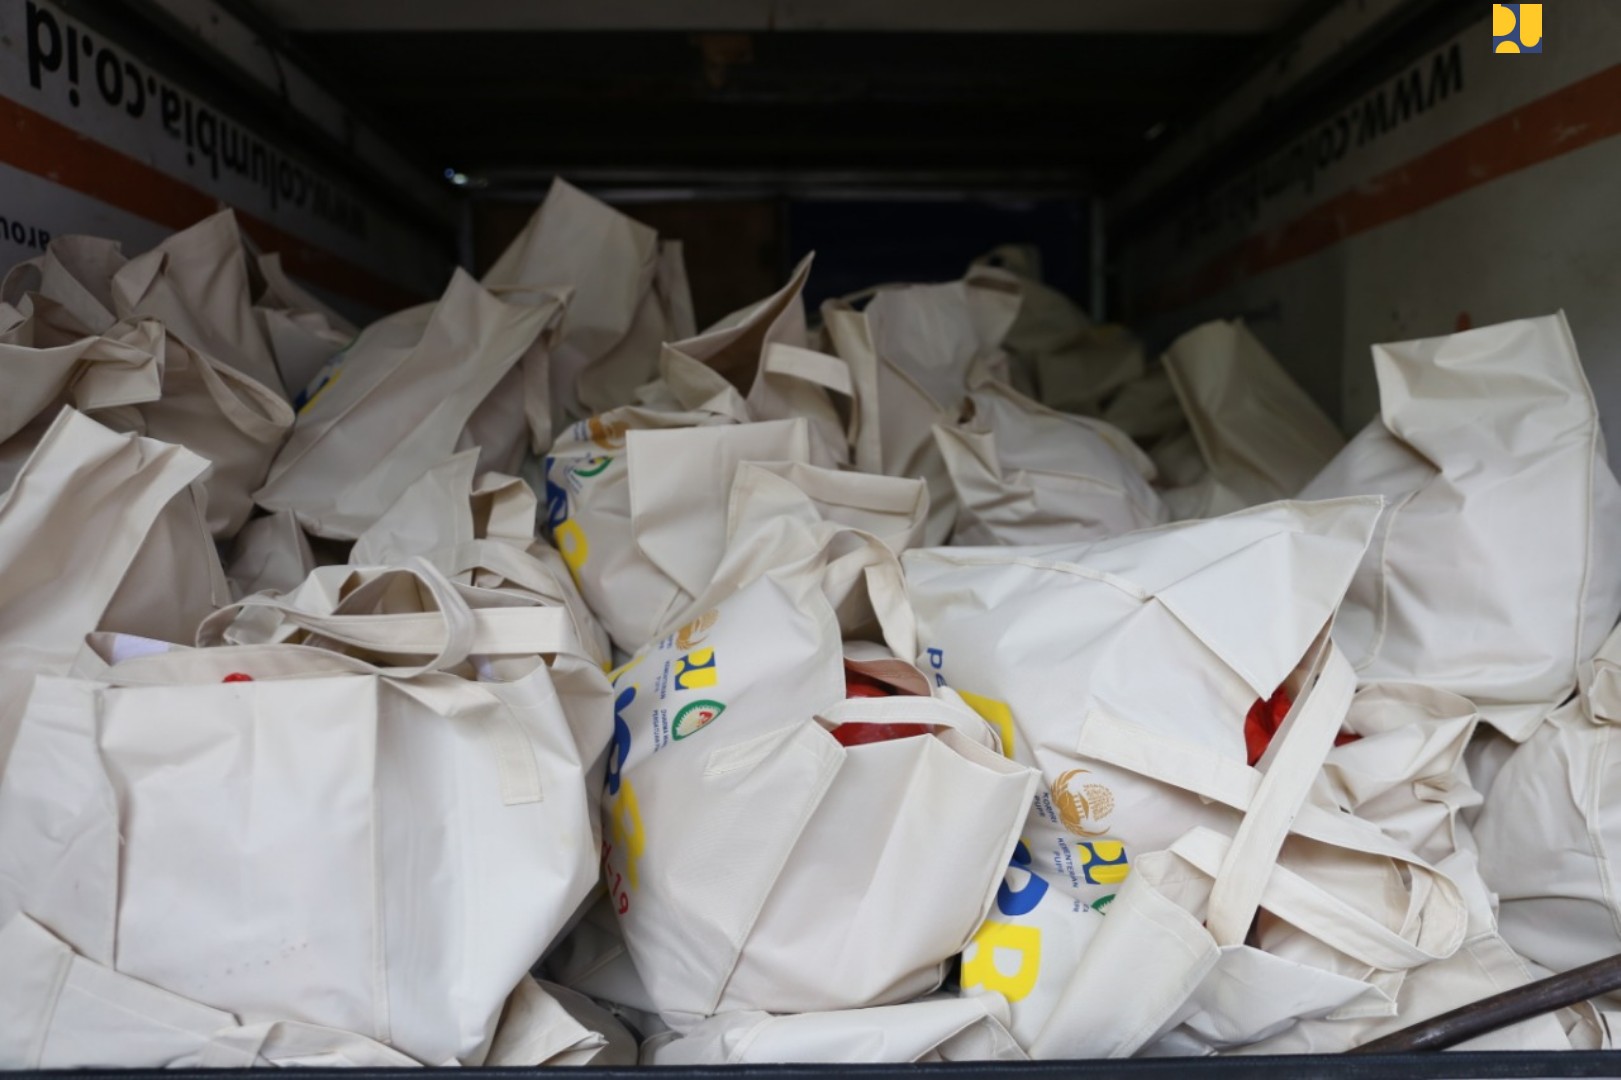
[
  {"x": 1297, "y": 754},
  {"x": 1334, "y": 921},
  {"x": 450, "y": 635},
  {"x": 1270, "y": 800},
  {"x": 904, "y": 709}
]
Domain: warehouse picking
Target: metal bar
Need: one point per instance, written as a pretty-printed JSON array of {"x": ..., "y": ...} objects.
[{"x": 1502, "y": 1010}]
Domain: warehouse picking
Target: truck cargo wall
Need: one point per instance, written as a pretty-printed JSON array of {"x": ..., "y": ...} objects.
[
  {"x": 100, "y": 137},
  {"x": 1468, "y": 189}
]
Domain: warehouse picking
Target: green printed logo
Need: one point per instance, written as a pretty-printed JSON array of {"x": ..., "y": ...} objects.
[{"x": 695, "y": 717}]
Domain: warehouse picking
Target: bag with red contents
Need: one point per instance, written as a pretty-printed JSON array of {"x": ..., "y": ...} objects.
[
  {"x": 757, "y": 860},
  {"x": 1121, "y": 670}
]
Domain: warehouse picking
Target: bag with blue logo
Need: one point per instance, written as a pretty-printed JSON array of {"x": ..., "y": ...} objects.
[
  {"x": 1024, "y": 474},
  {"x": 1490, "y": 453},
  {"x": 636, "y": 504},
  {"x": 759, "y": 860},
  {"x": 400, "y": 400},
  {"x": 1134, "y": 702}
]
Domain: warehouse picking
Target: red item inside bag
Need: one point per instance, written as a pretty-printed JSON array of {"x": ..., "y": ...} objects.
[
  {"x": 857, "y": 685},
  {"x": 1264, "y": 719}
]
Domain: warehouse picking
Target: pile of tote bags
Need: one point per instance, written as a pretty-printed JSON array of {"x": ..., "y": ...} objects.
[{"x": 528, "y": 678}]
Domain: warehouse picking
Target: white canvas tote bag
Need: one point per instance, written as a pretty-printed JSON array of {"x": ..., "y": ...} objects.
[
  {"x": 270, "y": 554},
  {"x": 544, "y": 1024},
  {"x": 933, "y": 1029},
  {"x": 63, "y": 1011},
  {"x": 628, "y": 296},
  {"x": 1075, "y": 364},
  {"x": 910, "y": 360},
  {"x": 196, "y": 284},
  {"x": 304, "y": 333},
  {"x": 1024, "y": 474},
  {"x": 383, "y": 850},
  {"x": 98, "y": 530},
  {"x": 210, "y": 408},
  {"x": 479, "y": 531},
  {"x": 1550, "y": 827},
  {"x": 836, "y": 529},
  {"x": 757, "y": 863},
  {"x": 1261, "y": 435},
  {"x": 398, "y": 404},
  {"x": 1490, "y": 453},
  {"x": 75, "y": 272},
  {"x": 47, "y": 357},
  {"x": 762, "y": 353},
  {"x": 636, "y": 504}
]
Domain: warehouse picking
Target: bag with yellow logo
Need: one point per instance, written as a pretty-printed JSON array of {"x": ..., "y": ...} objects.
[
  {"x": 755, "y": 861},
  {"x": 1133, "y": 703},
  {"x": 1024, "y": 474},
  {"x": 385, "y": 845},
  {"x": 1489, "y": 450},
  {"x": 1261, "y": 436},
  {"x": 929, "y": 1030},
  {"x": 400, "y": 401},
  {"x": 636, "y": 504}
]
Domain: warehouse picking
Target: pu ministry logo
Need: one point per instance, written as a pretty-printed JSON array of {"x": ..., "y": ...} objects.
[{"x": 1516, "y": 28}]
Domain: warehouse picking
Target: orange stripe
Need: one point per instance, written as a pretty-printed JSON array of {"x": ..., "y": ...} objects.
[
  {"x": 35, "y": 143},
  {"x": 1578, "y": 115}
]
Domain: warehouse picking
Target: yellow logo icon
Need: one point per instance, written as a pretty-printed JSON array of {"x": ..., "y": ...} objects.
[
  {"x": 1081, "y": 804},
  {"x": 1517, "y": 28},
  {"x": 695, "y": 631}
]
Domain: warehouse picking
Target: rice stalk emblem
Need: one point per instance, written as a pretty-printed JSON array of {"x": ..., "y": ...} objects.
[
  {"x": 1080, "y": 803},
  {"x": 695, "y": 631}
]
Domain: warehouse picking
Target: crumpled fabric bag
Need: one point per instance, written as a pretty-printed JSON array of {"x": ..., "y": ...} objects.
[
  {"x": 1262, "y": 437},
  {"x": 1489, "y": 451},
  {"x": 64, "y": 1011},
  {"x": 708, "y": 762},
  {"x": 929, "y": 1030},
  {"x": 1548, "y": 831},
  {"x": 270, "y": 554},
  {"x": 401, "y": 402},
  {"x": 909, "y": 351},
  {"x": 479, "y": 529},
  {"x": 75, "y": 272},
  {"x": 99, "y": 530},
  {"x": 548, "y": 1025},
  {"x": 1132, "y": 701},
  {"x": 196, "y": 283},
  {"x": 304, "y": 333},
  {"x": 756, "y": 364},
  {"x": 1073, "y": 364},
  {"x": 1024, "y": 474},
  {"x": 629, "y": 295},
  {"x": 323, "y": 785}
]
